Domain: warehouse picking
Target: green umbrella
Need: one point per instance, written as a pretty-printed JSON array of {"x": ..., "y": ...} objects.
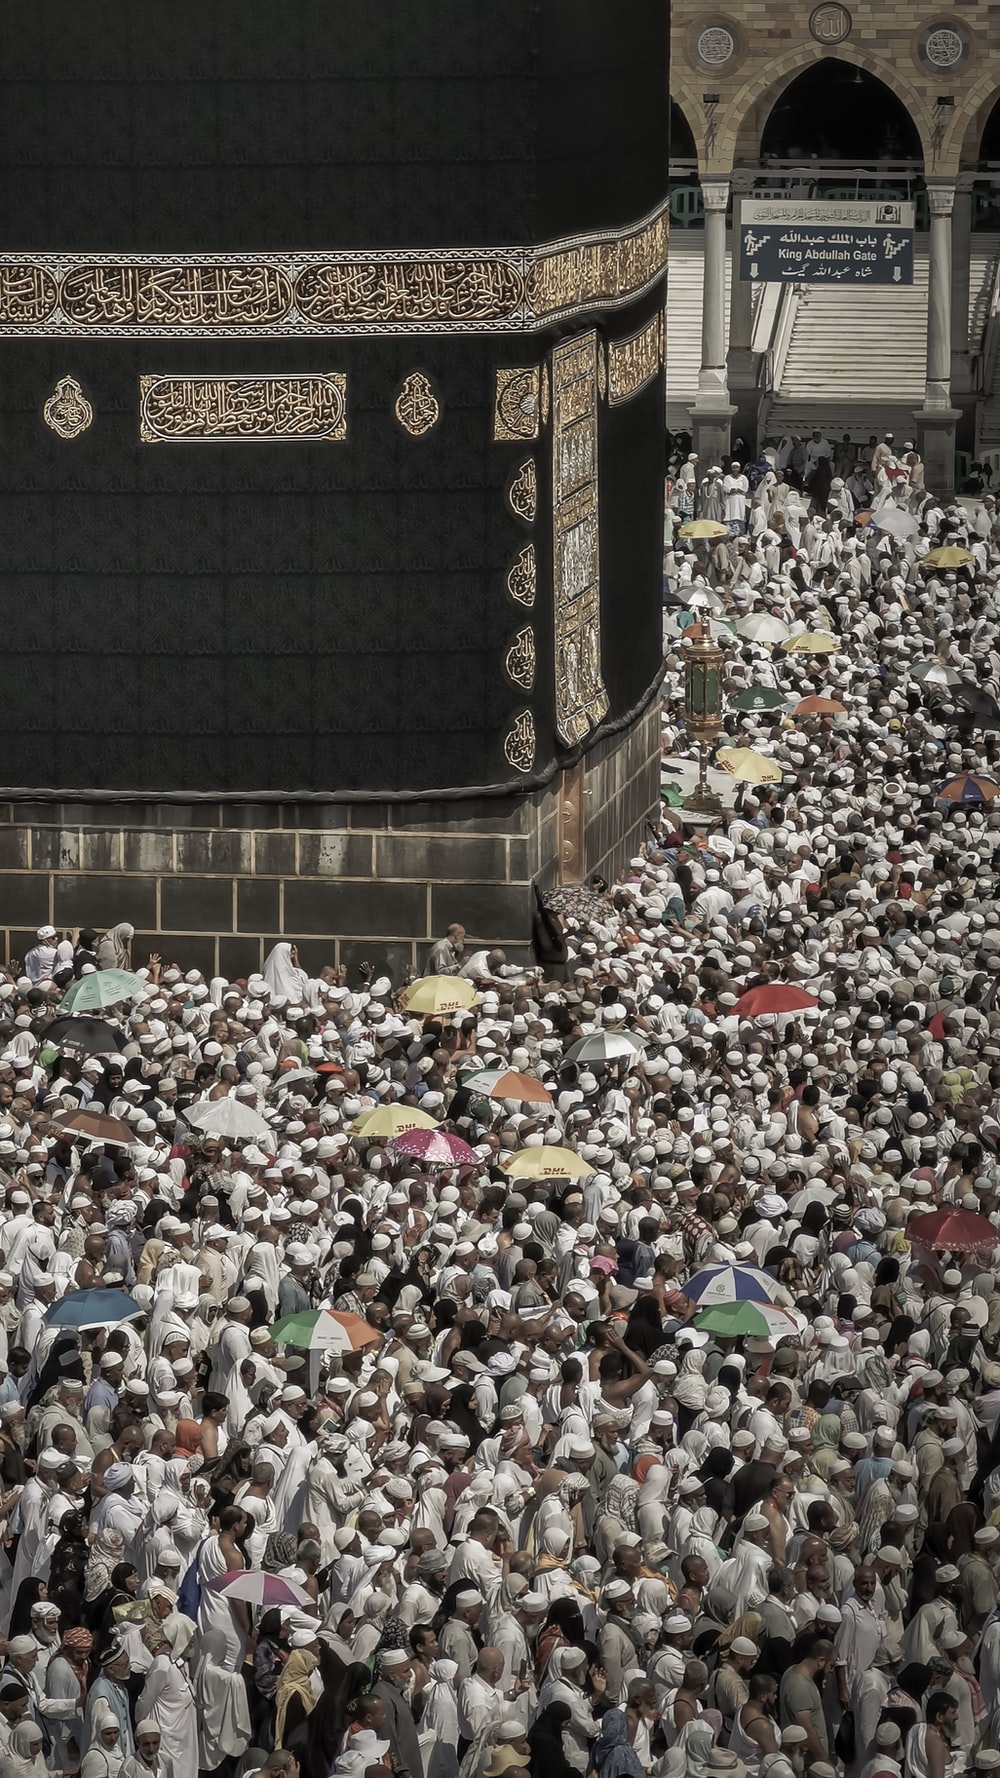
[
  {"x": 737, "y": 1320},
  {"x": 101, "y": 989},
  {"x": 759, "y": 697}
]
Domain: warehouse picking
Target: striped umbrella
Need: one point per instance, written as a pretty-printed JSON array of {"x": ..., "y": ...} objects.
[
  {"x": 967, "y": 787},
  {"x": 730, "y": 1284}
]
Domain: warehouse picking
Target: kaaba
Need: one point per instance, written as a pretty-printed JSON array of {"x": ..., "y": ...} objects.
[{"x": 331, "y": 463}]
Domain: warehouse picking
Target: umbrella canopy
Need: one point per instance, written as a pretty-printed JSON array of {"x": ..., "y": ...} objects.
[
  {"x": 968, "y": 787},
  {"x": 546, "y": 1162},
  {"x": 741, "y": 1320},
  {"x": 934, "y": 672},
  {"x": 703, "y": 599},
  {"x": 730, "y": 1284},
  {"x": 815, "y": 706},
  {"x": 812, "y": 1194},
  {"x": 439, "y": 995},
  {"x": 258, "y": 1588},
  {"x": 314, "y": 1330},
  {"x": 953, "y": 1231},
  {"x": 228, "y": 1118},
  {"x": 703, "y": 528},
  {"x": 896, "y": 522},
  {"x": 950, "y": 555},
  {"x": 577, "y": 901},
  {"x": 97, "y": 1125},
  {"x": 813, "y": 642},
  {"x": 978, "y": 703},
  {"x": 92, "y": 1308},
  {"x": 605, "y": 1046},
  {"x": 759, "y": 697},
  {"x": 762, "y": 627},
  {"x": 101, "y": 989},
  {"x": 93, "y": 1036},
  {"x": 747, "y": 766},
  {"x": 392, "y": 1120},
  {"x": 508, "y": 1083},
  {"x": 435, "y": 1147},
  {"x": 773, "y": 997}
]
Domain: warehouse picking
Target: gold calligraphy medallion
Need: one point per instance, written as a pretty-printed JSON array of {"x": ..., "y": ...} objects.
[
  {"x": 517, "y": 405},
  {"x": 523, "y": 492},
  {"x": 417, "y": 409},
  {"x": 520, "y": 659},
  {"x": 519, "y": 742},
  {"x": 68, "y": 411},
  {"x": 522, "y": 578}
]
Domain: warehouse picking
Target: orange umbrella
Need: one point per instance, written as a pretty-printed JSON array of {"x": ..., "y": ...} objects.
[
  {"x": 97, "y": 1125},
  {"x": 819, "y": 707}
]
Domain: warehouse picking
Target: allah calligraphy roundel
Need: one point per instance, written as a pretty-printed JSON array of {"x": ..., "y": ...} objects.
[{"x": 830, "y": 23}]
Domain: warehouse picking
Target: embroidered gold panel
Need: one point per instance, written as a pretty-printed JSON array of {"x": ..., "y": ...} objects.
[
  {"x": 634, "y": 362},
  {"x": 431, "y": 290},
  {"x": 581, "y": 698},
  {"x": 517, "y": 403},
  {"x": 238, "y": 407}
]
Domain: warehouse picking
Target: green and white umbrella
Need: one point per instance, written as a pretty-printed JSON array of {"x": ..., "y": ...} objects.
[{"x": 101, "y": 989}]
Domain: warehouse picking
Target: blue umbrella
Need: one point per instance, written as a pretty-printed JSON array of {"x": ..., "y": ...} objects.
[
  {"x": 730, "y": 1284},
  {"x": 92, "y": 1308}
]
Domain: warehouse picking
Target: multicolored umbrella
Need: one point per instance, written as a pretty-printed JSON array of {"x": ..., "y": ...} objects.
[
  {"x": 436, "y": 1148},
  {"x": 101, "y": 989},
  {"x": 546, "y": 1162},
  {"x": 773, "y": 997},
  {"x": 747, "y": 766},
  {"x": 606, "y": 1046},
  {"x": 437, "y": 996},
  {"x": 314, "y": 1330},
  {"x": 508, "y": 1083},
  {"x": 257, "y": 1588},
  {"x": 748, "y": 1320},
  {"x": 95, "y": 1124},
  {"x": 759, "y": 697},
  {"x": 730, "y": 1284},
  {"x": 392, "y": 1120},
  {"x": 953, "y": 1231},
  {"x": 968, "y": 787},
  {"x": 577, "y": 901}
]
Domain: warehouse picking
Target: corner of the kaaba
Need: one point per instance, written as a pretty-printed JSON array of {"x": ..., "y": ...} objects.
[{"x": 331, "y": 467}]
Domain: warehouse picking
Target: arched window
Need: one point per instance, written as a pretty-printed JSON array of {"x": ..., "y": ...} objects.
[
  {"x": 682, "y": 143},
  {"x": 835, "y": 111}
]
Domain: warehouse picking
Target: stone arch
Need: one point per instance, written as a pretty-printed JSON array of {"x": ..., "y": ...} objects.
[
  {"x": 739, "y": 136},
  {"x": 964, "y": 140},
  {"x": 688, "y": 102},
  {"x": 683, "y": 141}
]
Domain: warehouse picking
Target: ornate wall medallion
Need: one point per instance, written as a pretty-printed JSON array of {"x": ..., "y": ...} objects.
[
  {"x": 236, "y": 407},
  {"x": 519, "y": 742},
  {"x": 68, "y": 411},
  {"x": 517, "y": 404},
  {"x": 944, "y": 47},
  {"x": 581, "y": 698},
  {"x": 830, "y": 23},
  {"x": 522, "y": 577},
  {"x": 520, "y": 659},
  {"x": 523, "y": 492},
  {"x": 417, "y": 408}
]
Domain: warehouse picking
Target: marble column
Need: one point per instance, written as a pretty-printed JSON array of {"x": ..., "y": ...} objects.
[
  {"x": 712, "y": 414},
  {"x": 937, "y": 419},
  {"x": 961, "y": 250}
]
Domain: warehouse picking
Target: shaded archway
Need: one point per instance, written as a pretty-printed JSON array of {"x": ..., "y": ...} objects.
[
  {"x": 682, "y": 142},
  {"x": 989, "y": 142},
  {"x": 836, "y": 111}
]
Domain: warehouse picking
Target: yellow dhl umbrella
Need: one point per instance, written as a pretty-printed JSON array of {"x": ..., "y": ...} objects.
[
  {"x": 703, "y": 528},
  {"x": 392, "y": 1120},
  {"x": 747, "y": 766},
  {"x": 948, "y": 556},
  {"x": 813, "y": 642},
  {"x": 438, "y": 995},
  {"x": 546, "y": 1162}
]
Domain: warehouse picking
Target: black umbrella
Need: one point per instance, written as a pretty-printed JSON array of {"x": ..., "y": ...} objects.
[
  {"x": 94, "y": 1036},
  {"x": 979, "y": 704}
]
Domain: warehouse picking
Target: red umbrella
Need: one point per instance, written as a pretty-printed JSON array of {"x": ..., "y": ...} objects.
[
  {"x": 436, "y": 1147},
  {"x": 952, "y": 1231},
  {"x": 772, "y": 997}
]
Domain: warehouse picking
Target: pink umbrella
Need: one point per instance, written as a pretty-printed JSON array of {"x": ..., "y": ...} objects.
[
  {"x": 435, "y": 1147},
  {"x": 258, "y": 1588}
]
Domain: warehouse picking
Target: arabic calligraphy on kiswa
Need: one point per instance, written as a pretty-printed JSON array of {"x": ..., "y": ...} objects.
[
  {"x": 235, "y": 407},
  {"x": 504, "y": 289}
]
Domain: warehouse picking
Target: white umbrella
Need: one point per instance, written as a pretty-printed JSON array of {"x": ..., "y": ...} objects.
[
  {"x": 605, "y": 1046},
  {"x": 227, "y": 1117},
  {"x": 896, "y": 522},
  {"x": 760, "y": 626}
]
